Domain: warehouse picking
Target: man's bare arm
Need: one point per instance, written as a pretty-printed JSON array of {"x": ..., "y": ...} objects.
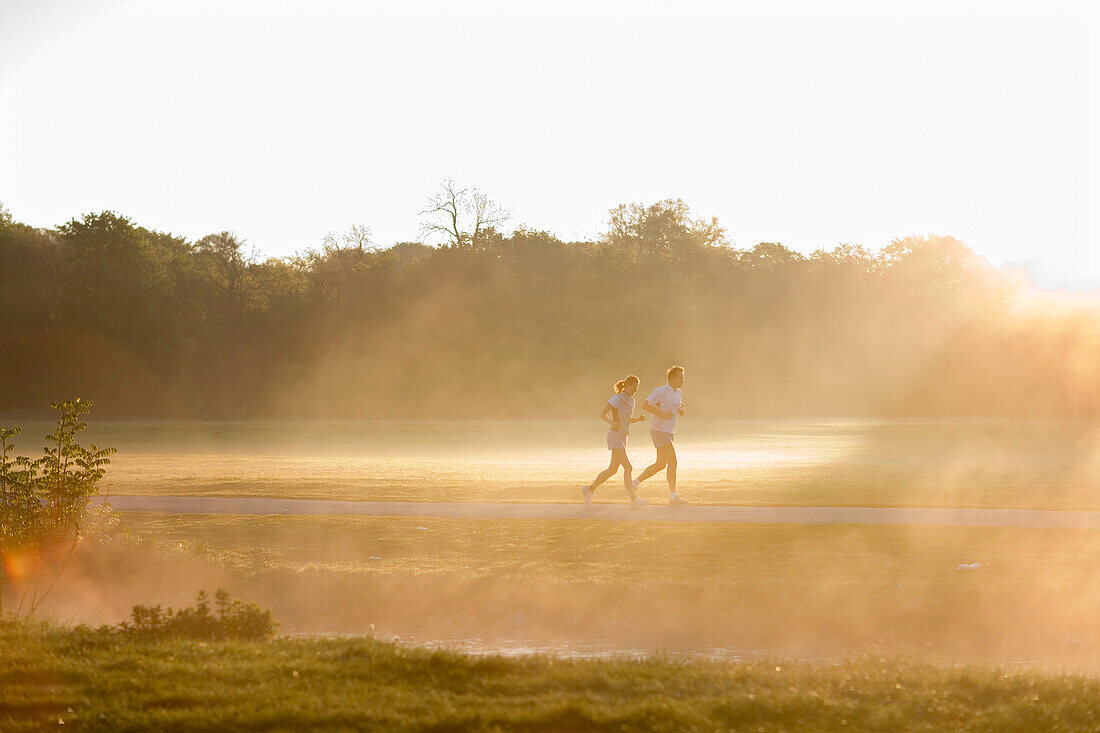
[{"x": 655, "y": 410}]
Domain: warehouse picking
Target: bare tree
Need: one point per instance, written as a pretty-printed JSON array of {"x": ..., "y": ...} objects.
[
  {"x": 357, "y": 237},
  {"x": 442, "y": 211},
  {"x": 461, "y": 215},
  {"x": 486, "y": 213}
]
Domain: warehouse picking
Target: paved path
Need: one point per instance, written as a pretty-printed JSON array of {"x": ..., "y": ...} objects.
[{"x": 612, "y": 512}]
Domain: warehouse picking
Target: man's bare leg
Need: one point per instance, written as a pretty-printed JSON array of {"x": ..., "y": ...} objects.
[
  {"x": 658, "y": 465},
  {"x": 670, "y": 469}
]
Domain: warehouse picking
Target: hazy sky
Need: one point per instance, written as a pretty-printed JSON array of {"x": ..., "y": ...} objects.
[{"x": 806, "y": 123}]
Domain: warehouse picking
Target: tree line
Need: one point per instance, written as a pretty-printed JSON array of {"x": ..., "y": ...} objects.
[{"x": 495, "y": 325}]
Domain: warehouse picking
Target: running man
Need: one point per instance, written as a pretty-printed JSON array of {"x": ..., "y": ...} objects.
[
  {"x": 665, "y": 404},
  {"x": 618, "y": 413}
]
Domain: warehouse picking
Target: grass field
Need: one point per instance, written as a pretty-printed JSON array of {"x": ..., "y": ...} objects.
[
  {"x": 721, "y": 602},
  {"x": 1032, "y": 464},
  {"x": 737, "y": 591},
  {"x": 52, "y": 677},
  {"x": 626, "y": 554}
]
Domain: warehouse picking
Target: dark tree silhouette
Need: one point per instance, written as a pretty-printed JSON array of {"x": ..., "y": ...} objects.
[{"x": 522, "y": 324}]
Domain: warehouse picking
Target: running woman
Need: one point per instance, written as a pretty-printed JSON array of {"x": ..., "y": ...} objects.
[
  {"x": 618, "y": 413},
  {"x": 665, "y": 404}
]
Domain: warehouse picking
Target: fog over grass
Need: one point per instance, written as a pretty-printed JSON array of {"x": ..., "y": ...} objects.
[
  {"x": 1023, "y": 464},
  {"x": 736, "y": 591},
  {"x": 819, "y": 592}
]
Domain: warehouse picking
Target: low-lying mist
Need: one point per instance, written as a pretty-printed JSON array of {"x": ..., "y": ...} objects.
[
  {"x": 946, "y": 594},
  {"x": 994, "y": 463}
]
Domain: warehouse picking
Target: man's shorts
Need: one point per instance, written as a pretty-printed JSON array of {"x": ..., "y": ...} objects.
[
  {"x": 615, "y": 439},
  {"x": 660, "y": 438}
]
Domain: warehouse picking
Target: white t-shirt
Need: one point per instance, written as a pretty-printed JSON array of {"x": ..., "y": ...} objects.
[
  {"x": 624, "y": 403},
  {"x": 667, "y": 399}
]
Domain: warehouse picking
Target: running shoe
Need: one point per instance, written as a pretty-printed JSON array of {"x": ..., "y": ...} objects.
[
  {"x": 677, "y": 501},
  {"x": 587, "y": 494},
  {"x": 638, "y": 502}
]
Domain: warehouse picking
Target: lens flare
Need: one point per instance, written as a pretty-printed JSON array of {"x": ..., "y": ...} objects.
[{"x": 17, "y": 568}]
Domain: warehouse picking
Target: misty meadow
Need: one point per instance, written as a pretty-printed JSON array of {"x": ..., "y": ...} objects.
[
  {"x": 464, "y": 372},
  {"x": 745, "y": 378}
]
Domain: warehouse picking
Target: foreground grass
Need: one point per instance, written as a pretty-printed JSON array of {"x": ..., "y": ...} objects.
[{"x": 50, "y": 675}]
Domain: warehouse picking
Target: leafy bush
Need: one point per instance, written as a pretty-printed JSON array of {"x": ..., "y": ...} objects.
[
  {"x": 44, "y": 502},
  {"x": 230, "y": 620}
]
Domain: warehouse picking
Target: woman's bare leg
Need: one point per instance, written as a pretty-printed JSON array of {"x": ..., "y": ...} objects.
[
  {"x": 627, "y": 481},
  {"x": 608, "y": 472}
]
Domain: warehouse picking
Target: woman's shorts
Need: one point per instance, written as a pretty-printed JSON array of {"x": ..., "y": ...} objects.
[
  {"x": 615, "y": 439},
  {"x": 660, "y": 438}
]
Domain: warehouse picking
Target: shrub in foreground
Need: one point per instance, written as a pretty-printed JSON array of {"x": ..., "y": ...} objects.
[
  {"x": 229, "y": 620},
  {"x": 44, "y": 502}
]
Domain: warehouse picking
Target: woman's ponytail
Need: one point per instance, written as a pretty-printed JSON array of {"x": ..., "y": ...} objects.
[{"x": 621, "y": 384}]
